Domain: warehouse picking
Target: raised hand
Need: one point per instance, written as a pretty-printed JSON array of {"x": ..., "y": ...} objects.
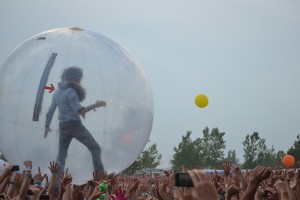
[
  {"x": 203, "y": 187},
  {"x": 54, "y": 170},
  {"x": 226, "y": 167},
  {"x": 96, "y": 193},
  {"x": 281, "y": 190},
  {"x": 232, "y": 190},
  {"x": 92, "y": 107},
  {"x": 65, "y": 180},
  {"x": 99, "y": 104},
  {"x": 66, "y": 188},
  {"x": 28, "y": 165},
  {"x": 217, "y": 180},
  {"x": 6, "y": 171},
  {"x": 295, "y": 182},
  {"x": 53, "y": 167},
  {"x": 183, "y": 168},
  {"x": 151, "y": 198},
  {"x": 134, "y": 184},
  {"x": 269, "y": 192},
  {"x": 120, "y": 195},
  {"x": 99, "y": 176},
  {"x": 38, "y": 178},
  {"x": 46, "y": 132},
  {"x": 261, "y": 173},
  {"x": 183, "y": 193}
]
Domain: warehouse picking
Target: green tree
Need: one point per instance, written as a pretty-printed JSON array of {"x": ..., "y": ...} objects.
[
  {"x": 213, "y": 148},
  {"x": 149, "y": 158},
  {"x": 253, "y": 148},
  {"x": 263, "y": 153},
  {"x": 257, "y": 153},
  {"x": 295, "y": 149},
  {"x": 136, "y": 166},
  {"x": 207, "y": 151},
  {"x": 187, "y": 153},
  {"x": 231, "y": 156},
  {"x": 270, "y": 157},
  {"x": 279, "y": 156}
]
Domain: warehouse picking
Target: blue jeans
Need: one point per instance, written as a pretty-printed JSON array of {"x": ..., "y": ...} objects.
[{"x": 75, "y": 129}]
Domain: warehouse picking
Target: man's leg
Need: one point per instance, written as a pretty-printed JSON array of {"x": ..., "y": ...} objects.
[
  {"x": 86, "y": 138},
  {"x": 63, "y": 145}
]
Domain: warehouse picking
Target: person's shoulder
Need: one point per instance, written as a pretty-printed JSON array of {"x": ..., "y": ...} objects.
[
  {"x": 70, "y": 91},
  {"x": 55, "y": 93}
]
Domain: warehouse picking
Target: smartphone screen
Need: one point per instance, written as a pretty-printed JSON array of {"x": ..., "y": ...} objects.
[{"x": 183, "y": 180}]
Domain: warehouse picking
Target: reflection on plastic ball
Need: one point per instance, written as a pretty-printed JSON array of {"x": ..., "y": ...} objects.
[{"x": 122, "y": 128}]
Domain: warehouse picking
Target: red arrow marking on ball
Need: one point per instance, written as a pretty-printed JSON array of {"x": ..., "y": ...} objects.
[{"x": 51, "y": 88}]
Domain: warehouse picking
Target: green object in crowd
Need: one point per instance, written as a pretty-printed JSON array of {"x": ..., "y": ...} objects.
[{"x": 102, "y": 188}]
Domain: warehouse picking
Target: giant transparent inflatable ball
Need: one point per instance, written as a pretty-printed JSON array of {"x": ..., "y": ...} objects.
[{"x": 110, "y": 74}]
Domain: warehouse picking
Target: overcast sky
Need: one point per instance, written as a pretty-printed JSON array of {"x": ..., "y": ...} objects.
[{"x": 244, "y": 55}]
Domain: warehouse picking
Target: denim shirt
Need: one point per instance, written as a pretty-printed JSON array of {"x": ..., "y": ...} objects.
[{"x": 68, "y": 105}]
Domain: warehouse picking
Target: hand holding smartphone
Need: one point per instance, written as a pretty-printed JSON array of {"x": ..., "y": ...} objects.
[
  {"x": 183, "y": 179},
  {"x": 44, "y": 197}
]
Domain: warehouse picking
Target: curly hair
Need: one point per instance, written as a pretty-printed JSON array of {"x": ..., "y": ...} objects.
[{"x": 71, "y": 74}]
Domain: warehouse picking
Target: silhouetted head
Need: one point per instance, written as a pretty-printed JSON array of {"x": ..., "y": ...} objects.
[{"x": 72, "y": 74}]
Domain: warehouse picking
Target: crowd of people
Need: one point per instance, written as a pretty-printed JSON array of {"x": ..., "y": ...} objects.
[
  {"x": 261, "y": 183},
  {"x": 232, "y": 184}
]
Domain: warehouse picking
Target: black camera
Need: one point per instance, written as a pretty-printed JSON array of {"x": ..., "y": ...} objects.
[
  {"x": 15, "y": 168},
  {"x": 44, "y": 197},
  {"x": 183, "y": 180}
]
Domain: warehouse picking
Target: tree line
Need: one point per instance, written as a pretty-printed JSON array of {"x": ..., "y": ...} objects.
[{"x": 207, "y": 152}]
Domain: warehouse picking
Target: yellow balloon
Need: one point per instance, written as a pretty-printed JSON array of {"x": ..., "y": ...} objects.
[{"x": 201, "y": 100}]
